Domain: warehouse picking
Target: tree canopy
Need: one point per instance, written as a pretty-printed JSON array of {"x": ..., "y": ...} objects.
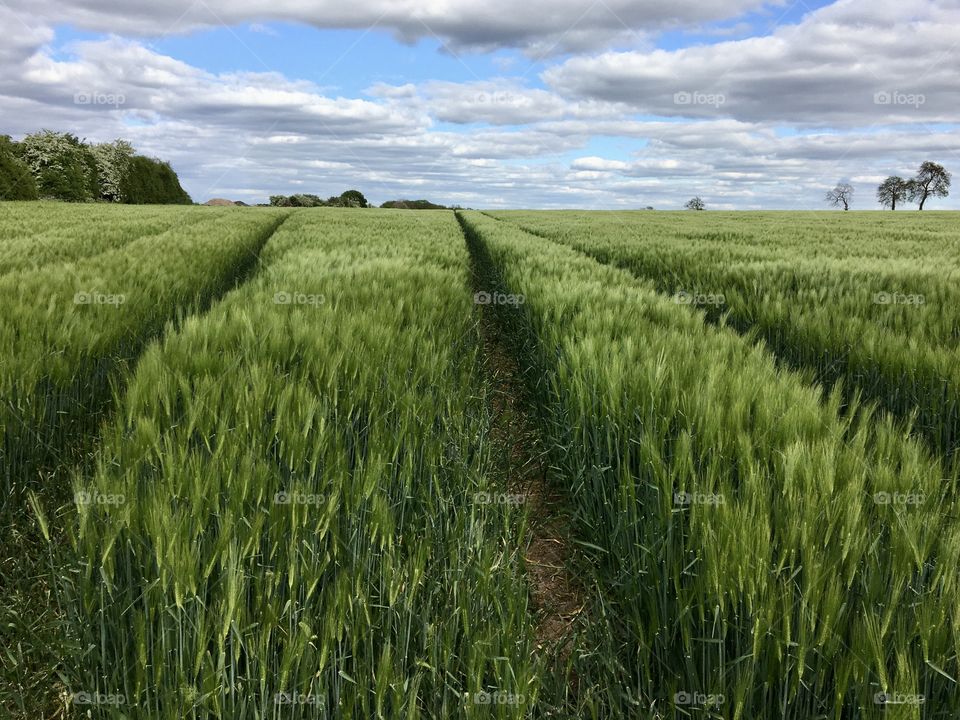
[
  {"x": 151, "y": 181},
  {"x": 16, "y": 182},
  {"x": 893, "y": 190},
  {"x": 413, "y": 205},
  {"x": 932, "y": 180},
  {"x": 60, "y": 166},
  {"x": 349, "y": 198}
]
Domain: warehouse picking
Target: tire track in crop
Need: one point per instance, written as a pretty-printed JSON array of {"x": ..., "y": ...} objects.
[
  {"x": 60, "y": 256},
  {"x": 836, "y": 374},
  {"x": 555, "y": 596},
  {"x": 107, "y": 375},
  {"x": 29, "y": 618}
]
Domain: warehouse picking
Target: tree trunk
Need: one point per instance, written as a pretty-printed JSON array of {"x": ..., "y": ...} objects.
[
  {"x": 893, "y": 204},
  {"x": 923, "y": 199}
]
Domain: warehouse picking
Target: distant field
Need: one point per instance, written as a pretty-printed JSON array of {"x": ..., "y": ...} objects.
[{"x": 273, "y": 463}]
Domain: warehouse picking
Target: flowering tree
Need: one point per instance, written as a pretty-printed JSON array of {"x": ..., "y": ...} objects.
[
  {"x": 63, "y": 167},
  {"x": 113, "y": 166}
]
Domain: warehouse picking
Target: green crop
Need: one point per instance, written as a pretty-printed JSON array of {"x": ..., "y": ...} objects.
[
  {"x": 284, "y": 522},
  {"x": 33, "y": 235},
  {"x": 753, "y": 550},
  {"x": 868, "y": 302},
  {"x": 69, "y": 328},
  {"x": 297, "y": 461}
]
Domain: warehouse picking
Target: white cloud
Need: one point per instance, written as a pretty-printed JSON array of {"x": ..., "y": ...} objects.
[
  {"x": 539, "y": 26},
  {"x": 578, "y": 142},
  {"x": 497, "y": 101},
  {"x": 849, "y": 63},
  {"x": 156, "y": 86}
]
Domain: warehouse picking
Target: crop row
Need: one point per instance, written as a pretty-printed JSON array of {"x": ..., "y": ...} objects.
[
  {"x": 283, "y": 521},
  {"x": 754, "y": 550},
  {"x": 41, "y": 236},
  {"x": 69, "y": 329},
  {"x": 885, "y": 327}
]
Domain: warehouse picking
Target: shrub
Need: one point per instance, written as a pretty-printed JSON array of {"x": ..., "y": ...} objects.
[
  {"x": 151, "y": 181},
  {"x": 16, "y": 182}
]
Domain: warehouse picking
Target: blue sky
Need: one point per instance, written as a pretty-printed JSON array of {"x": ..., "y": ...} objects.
[{"x": 552, "y": 103}]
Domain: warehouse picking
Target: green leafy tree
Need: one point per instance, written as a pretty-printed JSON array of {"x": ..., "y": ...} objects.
[
  {"x": 696, "y": 203},
  {"x": 151, "y": 181},
  {"x": 63, "y": 167},
  {"x": 16, "y": 182},
  {"x": 353, "y": 198},
  {"x": 306, "y": 200},
  {"x": 412, "y": 205},
  {"x": 893, "y": 190}
]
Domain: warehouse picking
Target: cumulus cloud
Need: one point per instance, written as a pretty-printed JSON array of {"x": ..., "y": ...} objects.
[
  {"x": 849, "y": 63},
  {"x": 21, "y": 39},
  {"x": 125, "y": 76},
  {"x": 605, "y": 131},
  {"x": 539, "y": 26},
  {"x": 498, "y": 101}
]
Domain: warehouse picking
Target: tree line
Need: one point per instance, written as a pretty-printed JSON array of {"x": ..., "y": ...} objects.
[
  {"x": 60, "y": 166},
  {"x": 350, "y": 198},
  {"x": 931, "y": 181}
]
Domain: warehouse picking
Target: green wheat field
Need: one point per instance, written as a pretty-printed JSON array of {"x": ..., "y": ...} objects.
[{"x": 251, "y": 465}]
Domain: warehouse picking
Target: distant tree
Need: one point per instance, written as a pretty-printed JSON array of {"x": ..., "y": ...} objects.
[
  {"x": 62, "y": 166},
  {"x": 932, "y": 180},
  {"x": 353, "y": 198},
  {"x": 113, "y": 168},
  {"x": 413, "y": 205},
  {"x": 893, "y": 190},
  {"x": 16, "y": 182},
  {"x": 305, "y": 200},
  {"x": 842, "y": 194},
  {"x": 695, "y": 204}
]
